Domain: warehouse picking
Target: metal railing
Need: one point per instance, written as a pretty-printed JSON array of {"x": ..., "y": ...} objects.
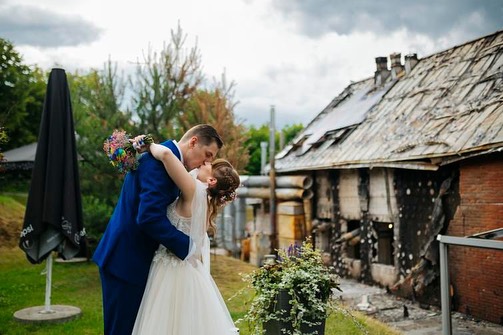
[{"x": 472, "y": 241}]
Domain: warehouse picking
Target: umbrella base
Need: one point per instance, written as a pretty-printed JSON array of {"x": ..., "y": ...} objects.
[
  {"x": 57, "y": 313},
  {"x": 73, "y": 260}
]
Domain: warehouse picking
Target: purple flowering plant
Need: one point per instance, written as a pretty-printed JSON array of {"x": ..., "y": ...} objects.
[{"x": 310, "y": 284}]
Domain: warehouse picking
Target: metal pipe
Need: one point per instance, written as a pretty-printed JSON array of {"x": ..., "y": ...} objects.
[
  {"x": 281, "y": 193},
  {"x": 471, "y": 242},
  {"x": 444, "y": 290},
  {"x": 354, "y": 241},
  {"x": 219, "y": 235},
  {"x": 444, "y": 270},
  {"x": 232, "y": 226},
  {"x": 300, "y": 181},
  {"x": 240, "y": 207},
  {"x": 348, "y": 236},
  {"x": 240, "y": 223},
  {"x": 48, "y": 285}
]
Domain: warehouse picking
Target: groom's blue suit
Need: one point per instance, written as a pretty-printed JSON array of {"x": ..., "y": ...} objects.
[{"x": 137, "y": 226}]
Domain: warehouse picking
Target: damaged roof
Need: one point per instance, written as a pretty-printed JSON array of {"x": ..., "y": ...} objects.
[{"x": 447, "y": 107}]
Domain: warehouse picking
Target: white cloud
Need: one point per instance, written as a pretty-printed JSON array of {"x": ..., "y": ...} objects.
[{"x": 263, "y": 49}]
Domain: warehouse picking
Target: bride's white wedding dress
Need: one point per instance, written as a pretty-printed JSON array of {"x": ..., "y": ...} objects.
[{"x": 182, "y": 298}]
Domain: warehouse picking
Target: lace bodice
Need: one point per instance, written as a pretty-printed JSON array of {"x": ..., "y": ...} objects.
[{"x": 181, "y": 223}]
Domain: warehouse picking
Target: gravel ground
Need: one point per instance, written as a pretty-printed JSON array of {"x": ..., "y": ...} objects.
[{"x": 407, "y": 316}]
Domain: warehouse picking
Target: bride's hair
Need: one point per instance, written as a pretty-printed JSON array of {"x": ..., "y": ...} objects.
[{"x": 224, "y": 190}]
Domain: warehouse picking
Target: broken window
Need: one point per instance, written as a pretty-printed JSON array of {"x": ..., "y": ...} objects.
[
  {"x": 353, "y": 244},
  {"x": 384, "y": 242}
]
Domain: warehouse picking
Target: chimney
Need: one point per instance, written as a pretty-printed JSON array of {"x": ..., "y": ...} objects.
[
  {"x": 410, "y": 62},
  {"x": 396, "y": 65},
  {"x": 382, "y": 73}
]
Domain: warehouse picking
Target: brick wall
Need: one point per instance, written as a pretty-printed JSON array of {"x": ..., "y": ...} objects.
[{"x": 477, "y": 274}]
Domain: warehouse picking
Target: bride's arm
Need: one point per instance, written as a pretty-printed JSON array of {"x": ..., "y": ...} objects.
[{"x": 175, "y": 169}]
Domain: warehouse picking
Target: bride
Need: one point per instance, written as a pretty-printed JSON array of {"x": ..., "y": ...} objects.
[{"x": 181, "y": 297}]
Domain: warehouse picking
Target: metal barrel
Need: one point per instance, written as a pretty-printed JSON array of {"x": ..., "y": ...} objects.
[
  {"x": 281, "y": 193},
  {"x": 304, "y": 182}
]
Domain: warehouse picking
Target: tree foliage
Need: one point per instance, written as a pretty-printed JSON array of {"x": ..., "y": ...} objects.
[
  {"x": 255, "y": 136},
  {"x": 96, "y": 101},
  {"x": 167, "y": 98},
  {"x": 166, "y": 95},
  {"x": 170, "y": 97},
  {"x": 163, "y": 85},
  {"x": 215, "y": 106},
  {"x": 291, "y": 131},
  {"x": 22, "y": 92},
  {"x": 262, "y": 134}
]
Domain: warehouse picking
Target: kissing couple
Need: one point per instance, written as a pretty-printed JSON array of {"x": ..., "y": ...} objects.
[{"x": 153, "y": 258}]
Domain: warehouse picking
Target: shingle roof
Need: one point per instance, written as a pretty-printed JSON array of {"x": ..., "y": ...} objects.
[{"x": 448, "y": 106}]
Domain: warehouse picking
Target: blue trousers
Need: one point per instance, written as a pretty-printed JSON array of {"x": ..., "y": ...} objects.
[{"x": 121, "y": 301}]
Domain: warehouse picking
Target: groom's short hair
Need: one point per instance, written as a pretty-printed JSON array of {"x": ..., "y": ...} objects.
[{"x": 205, "y": 133}]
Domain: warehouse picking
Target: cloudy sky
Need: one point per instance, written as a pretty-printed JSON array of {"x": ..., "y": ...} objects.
[{"x": 294, "y": 54}]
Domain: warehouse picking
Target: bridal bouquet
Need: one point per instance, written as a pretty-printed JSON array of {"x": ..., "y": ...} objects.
[{"x": 121, "y": 152}]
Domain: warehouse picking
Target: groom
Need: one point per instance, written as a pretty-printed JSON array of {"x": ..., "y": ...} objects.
[{"x": 139, "y": 224}]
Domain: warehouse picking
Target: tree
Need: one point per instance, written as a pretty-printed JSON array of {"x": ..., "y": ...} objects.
[
  {"x": 255, "y": 136},
  {"x": 22, "y": 92},
  {"x": 215, "y": 106},
  {"x": 169, "y": 98},
  {"x": 261, "y": 134},
  {"x": 291, "y": 131},
  {"x": 163, "y": 85},
  {"x": 96, "y": 100}
]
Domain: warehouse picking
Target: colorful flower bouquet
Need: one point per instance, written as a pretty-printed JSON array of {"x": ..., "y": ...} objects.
[{"x": 121, "y": 152}]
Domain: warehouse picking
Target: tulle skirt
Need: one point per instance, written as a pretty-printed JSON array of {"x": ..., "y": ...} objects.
[{"x": 182, "y": 299}]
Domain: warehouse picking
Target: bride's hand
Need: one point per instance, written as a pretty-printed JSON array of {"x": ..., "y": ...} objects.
[{"x": 139, "y": 144}]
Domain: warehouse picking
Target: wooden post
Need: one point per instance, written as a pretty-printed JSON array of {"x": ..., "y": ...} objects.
[{"x": 272, "y": 176}]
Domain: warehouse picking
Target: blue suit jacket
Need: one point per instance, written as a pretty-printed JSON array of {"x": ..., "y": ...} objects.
[{"x": 139, "y": 222}]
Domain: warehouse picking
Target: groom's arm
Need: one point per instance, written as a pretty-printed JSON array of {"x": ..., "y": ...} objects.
[{"x": 157, "y": 191}]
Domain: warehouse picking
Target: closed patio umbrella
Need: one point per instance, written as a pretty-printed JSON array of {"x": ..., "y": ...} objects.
[{"x": 53, "y": 218}]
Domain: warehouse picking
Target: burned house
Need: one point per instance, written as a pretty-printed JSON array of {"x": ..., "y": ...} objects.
[{"x": 414, "y": 151}]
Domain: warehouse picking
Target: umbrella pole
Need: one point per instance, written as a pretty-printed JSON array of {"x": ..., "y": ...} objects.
[
  {"x": 48, "y": 280},
  {"x": 60, "y": 313}
]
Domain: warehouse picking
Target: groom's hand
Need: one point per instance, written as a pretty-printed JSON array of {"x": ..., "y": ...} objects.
[{"x": 192, "y": 260}]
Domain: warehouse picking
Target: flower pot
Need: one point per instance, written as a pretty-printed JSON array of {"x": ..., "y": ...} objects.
[{"x": 273, "y": 327}]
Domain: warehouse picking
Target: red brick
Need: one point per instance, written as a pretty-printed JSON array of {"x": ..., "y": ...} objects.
[{"x": 476, "y": 273}]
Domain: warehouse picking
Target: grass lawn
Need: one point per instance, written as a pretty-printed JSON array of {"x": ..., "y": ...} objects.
[
  {"x": 77, "y": 284},
  {"x": 22, "y": 285}
]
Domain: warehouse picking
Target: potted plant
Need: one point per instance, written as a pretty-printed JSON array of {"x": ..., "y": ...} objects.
[{"x": 293, "y": 295}]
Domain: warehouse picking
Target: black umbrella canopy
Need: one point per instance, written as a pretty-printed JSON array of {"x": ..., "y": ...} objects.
[{"x": 53, "y": 218}]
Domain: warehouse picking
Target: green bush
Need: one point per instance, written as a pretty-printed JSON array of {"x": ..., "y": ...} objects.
[
  {"x": 96, "y": 214},
  {"x": 16, "y": 181}
]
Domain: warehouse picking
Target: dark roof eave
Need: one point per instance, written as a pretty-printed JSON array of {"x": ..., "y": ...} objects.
[
  {"x": 398, "y": 165},
  {"x": 409, "y": 164}
]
